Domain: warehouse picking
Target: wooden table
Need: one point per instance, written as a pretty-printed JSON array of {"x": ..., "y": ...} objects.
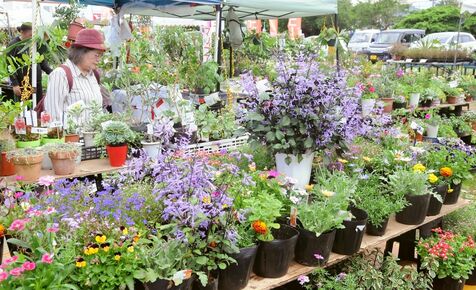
[
  {"x": 85, "y": 168},
  {"x": 394, "y": 229}
]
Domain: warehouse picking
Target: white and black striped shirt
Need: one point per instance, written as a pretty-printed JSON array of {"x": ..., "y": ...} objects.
[{"x": 58, "y": 98}]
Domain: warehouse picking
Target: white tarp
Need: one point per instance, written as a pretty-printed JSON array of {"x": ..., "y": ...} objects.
[{"x": 468, "y": 6}]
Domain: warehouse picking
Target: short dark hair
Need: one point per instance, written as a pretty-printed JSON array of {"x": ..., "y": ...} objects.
[{"x": 76, "y": 54}]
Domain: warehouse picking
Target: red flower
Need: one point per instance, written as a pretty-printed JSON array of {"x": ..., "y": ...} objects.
[
  {"x": 372, "y": 89},
  {"x": 67, "y": 44},
  {"x": 259, "y": 227}
]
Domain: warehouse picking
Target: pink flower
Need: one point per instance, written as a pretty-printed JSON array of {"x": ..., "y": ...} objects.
[
  {"x": 10, "y": 260},
  {"x": 29, "y": 266},
  {"x": 303, "y": 279},
  {"x": 46, "y": 180},
  {"x": 372, "y": 89},
  {"x": 19, "y": 178},
  {"x": 53, "y": 229},
  {"x": 3, "y": 276},
  {"x": 18, "y": 194},
  {"x": 34, "y": 212},
  {"x": 47, "y": 258},
  {"x": 427, "y": 116},
  {"x": 273, "y": 174},
  {"x": 318, "y": 257},
  {"x": 16, "y": 271},
  {"x": 50, "y": 210},
  {"x": 18, "y": 225}
]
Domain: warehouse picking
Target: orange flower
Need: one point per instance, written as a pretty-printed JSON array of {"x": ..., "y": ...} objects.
[
  {"x": 259, "y": 227},
  {"x": 446, "y": 172},
  {"x": 213, "y": 244},
  {"x": 2, "y": 230}
]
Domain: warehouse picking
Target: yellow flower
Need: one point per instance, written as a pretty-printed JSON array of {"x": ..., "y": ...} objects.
[
  {"x": 309, "y": 187},
  {"x": 93, "y": 250},
  {"x": 328, "y": 193},
  {"x": 343, "y": 161},
  {"x": 206, "y": 199},
  {"x": 450, "y": 190},
  {"x": 224, "y": 206},
  {"x": 136, "y": 238},
  {"x": 446, "y": 172},
  {"x": 130, "y": 249},
  {"x": 80, "y": 263},
  {"x": 252, "y": 167},
  {"x": 117, "y": 257},
  {"x": 419, "y": 168},
  {"x": 124, "y": 230},
  {"x": 87, "y": 252},
  {"x": 366, "y": 159},
  {"x": 432, "y": 178},
  {"x": 106, "y": 249},
  {"x": 101, "y": 239}
]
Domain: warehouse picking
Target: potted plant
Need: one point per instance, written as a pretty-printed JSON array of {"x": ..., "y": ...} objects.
[
  {"x": 452, "y": 94},
  {"x": 320, "y": 218},
  {"x": 435, "y": 159},
  {"x": 385, "y": 89},
  {"x": 54, "y": 135},
  {"x": 205, "y": 80},
  {"x": 63, "y": 157},
  {"x": 470, "y": 117},
  {"x": 398, "y": 51},
  {"x": 27, "y": 162},
  {"x": 449, "y": 258},
  {"x": 73, "y": 121},
  {"x": 412, "y": 184},
  {"x": 399, "y": 102},
  {"x": 7, "y": 167},
  {"x": 369, "y": 97},
  {"x": 297, "y": 118},
  {"x": 468, "y": 84},
  {"x": 115, "y": 135},
  {"x": 427, "y": 96},
  {"x": 28, "y": 140},
  {"x": 97, "y": 116},
  {"x": 160, "y": 136},
  {"x": 432, "y": 122}
]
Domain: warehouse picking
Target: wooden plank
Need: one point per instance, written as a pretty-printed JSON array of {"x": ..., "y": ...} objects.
[
  {"x": 85, "y": 168},
  {"x": 441, "y": 106},
  {"x": 394, "y": 229}
]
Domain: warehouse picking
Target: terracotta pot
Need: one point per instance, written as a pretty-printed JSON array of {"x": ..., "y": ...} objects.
[
  {"x": 73, "y": 29},
  {"x": 452, "y": 100},
  {"x": 64, "y": 163},
  {"x": 117, "y": 155},
  {"x": 71, "y": 138},
  {"x": 28, "y": 166},
  {"x": 473, "y": 124},
  {"x": 388, "y": 105},
  {"x": 7, "y": 167},
  {"x": 419, "y": 137},
  {"x": 468, "y": 98}
]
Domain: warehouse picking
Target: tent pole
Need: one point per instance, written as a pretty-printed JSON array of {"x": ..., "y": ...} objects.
[
  {"x": 457, "y": 36},
  {"x": 336, "y": 23},
  {"x": 231, "y": 62},
  {"x": 218, "y": 50},
  {"x": 33, "y": 71}
]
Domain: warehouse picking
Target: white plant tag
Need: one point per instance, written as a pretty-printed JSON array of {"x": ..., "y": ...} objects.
[
  {"x": 39, "y": 130},
  {"x": 56, "y": 124},
  {"x": 423, "y": 60},
  {"x": 408, "y": 60},
  {"x": 453, "y": 84},
  {"x": 359, "y": 228},
  {"x": 212, "y": 99},
  {"x": 31, "y": 118},
  {"x": 150, "y": 129}
]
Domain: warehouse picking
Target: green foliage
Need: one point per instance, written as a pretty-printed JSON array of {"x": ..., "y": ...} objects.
[
  {"x": 262, "y": 156},
  {"x": 214, "y": 125},
  {"x": 403, "y": 182},
  {"x": 115, "y": 133},
  {"x": 205, "y": 78},
  {"x": 68, "y": 13},
  {"x": 264, "y": 207},
  {"x": 461, "y": 222},
  {"x": 437, "y": 19},
  {"x": 9, "y": 110}
]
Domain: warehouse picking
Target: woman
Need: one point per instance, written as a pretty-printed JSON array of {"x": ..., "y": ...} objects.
[{"x": 77, "y": 79}]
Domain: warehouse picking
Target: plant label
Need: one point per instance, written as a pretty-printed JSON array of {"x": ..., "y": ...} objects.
[
  {"x": 150, "y": 129},
  {"x": 293, "y": 217},
  {"x": 45, "y": 119},
  {"x": 56, "y": 124},
  {"x": 31, "y": 118},
  {"x": 408, "y": 60},
  {"x": 359, "y": 228},
  {"x": 423, "y": 60},
  {"x": 20, "y": 126},
  {"x": 212, "y": 99},
  {"x": 39, "y": 130},
  {"x": 453, "y": 84}
]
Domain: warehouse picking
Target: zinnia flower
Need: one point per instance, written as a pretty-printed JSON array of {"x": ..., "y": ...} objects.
[
  {"x": 16, "y": 271},
  {"x": 29, "y": 266},
  {"x": 419, "y": 168},
  {"x": 446, "y": 172},
  {"x": 432, "y": 178},
  {"x": 18, "y": 225},
  {"x": 47, "y": 258},
  {"x": 259, "y": 227},
  {"x": 3, "y": 276}
]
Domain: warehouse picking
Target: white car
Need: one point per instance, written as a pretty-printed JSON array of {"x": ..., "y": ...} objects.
[
  {"x": 447, "y": 40},
  {"x": 361, "y": 39}
]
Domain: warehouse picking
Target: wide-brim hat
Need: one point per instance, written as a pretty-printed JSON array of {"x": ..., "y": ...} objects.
[{"x": 90, "y": 38}]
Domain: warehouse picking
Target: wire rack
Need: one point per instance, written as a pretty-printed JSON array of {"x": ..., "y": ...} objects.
[{"x": 217, "y": 146}]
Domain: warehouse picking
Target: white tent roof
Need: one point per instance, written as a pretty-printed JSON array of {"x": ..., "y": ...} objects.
[{"x": 468, "y": 6}]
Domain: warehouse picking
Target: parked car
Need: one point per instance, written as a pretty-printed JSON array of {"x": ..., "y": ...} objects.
[
  {"x": 380, "y": 49},
  {"x": 361, "y": 40},
  {"x": 447, "y": 40}
]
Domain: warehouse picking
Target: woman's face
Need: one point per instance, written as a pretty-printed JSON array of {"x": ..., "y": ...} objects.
[{"x": 91, "y": 59}]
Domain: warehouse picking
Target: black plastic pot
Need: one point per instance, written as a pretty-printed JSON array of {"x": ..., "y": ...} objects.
[
  {"x": 452, "y": 197},
  {"x": 309, "y": 245},
  {"x": 435, "y": 206},
  {"x": 236, "y": 276},
  {"x": 426, "y": 104},
  {"x": 349, "y": 239},
  {"x": 397, "y": 106},
  {"x": 447, "y": 284},
  {"x": 472, "y": 278},
  {"x": 377, "y": 230},
  {"x": 414, "y": 213},
  {"x": 212, "y": 285},
  {"x": 273, "y": 258},
  {"x": 165, "y": 285}
]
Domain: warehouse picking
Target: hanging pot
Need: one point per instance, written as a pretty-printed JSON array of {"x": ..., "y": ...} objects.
[
  {"x": 367, "y": 106},
  {"x": 71, "y": 138},
  {"x": 236, "y": 276},
  {"x": 448, "y": 284},
  {"x": 435, "y": 206},
  {"x": 152, "y": 149},
  {"x": 64, "y": 163},
  {"x": 7, "y": 167},
  {"x": 73, "y": 30},
  {"x": 379, "y": 230},
  {"x": 349, "y": 239},
  {"x": 388, "y": 105},
  {"x": 273, "y": 258},
  {"x": 432, "y": 131},
  {"x": 308, "y": 245},
  {"x": 88, "y": 138},
  {"x": 28, "y": 144},
  {"x": 117, "y": 154},
  {"x": 414, "y": 100},
  {"x": 452, "y": 100},
  {"x": 452, "y": 197},
  {"x": 301, "y": 171},
  {"x": 28, "y": 166},
  {"x": 415, "y": 212}
]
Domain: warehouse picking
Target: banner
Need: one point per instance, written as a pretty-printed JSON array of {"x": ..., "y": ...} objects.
[
  {"x": 254, "y": 25},
  {"x": 273, "y": 27},
  {"x": 294, "y": 28}
]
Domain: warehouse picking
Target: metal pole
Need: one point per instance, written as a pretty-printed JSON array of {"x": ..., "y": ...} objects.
[
  {"x": 457, "y": 37},
  {"x": 336, "y": 23},
  {"x": 33, "y": 52},
  {"x": 231, "y": 62},
  {"x": 218, "y": 51}
]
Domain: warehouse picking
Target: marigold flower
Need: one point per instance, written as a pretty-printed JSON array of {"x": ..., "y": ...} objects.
[
  {"x": 259, "y": 227},
  {"x": 419, "y": 167},
  {"x": 446, "y": 172},
  {"x": 136, "y": 238},
  {"x": 101, "y": 239},
  {"x": 432, "y": 178},
  {"x": 2, "y": 230}
]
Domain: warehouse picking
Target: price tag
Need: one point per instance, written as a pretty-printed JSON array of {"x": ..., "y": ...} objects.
[
  {"x": 188, "y": 119},
  {"x": 453, "y": 84},
  {"x": 150, "y": 129},
  {"x": 414, "y": 125},
  {"x": 56, "y": 124},
  {"x": 293, "y": 217},
  {"x": 39, "y": 130}
]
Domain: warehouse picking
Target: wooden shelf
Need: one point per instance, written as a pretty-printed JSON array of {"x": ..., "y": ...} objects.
[
  {"x": 394, "y": 229},
  {"x": 85, "y": 168},
  {"x": 441, "y": 106}
]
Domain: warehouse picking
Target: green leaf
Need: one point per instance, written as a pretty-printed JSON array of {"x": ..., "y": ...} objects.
[
  {"x": 270, "y": 136},
  {"x": 222, "y": 266},
  {"x": 308, "y": 143},
  {"x": 285, "y": 121},
  {"x": 18, "y": 243},
  {"x": 253, "y": 116},
  {"x": 202, "y": 260},
  {"x": 279, "y": 135}
]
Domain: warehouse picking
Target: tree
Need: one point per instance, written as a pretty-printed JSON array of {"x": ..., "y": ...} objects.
[{"x": 438, "y": 19}]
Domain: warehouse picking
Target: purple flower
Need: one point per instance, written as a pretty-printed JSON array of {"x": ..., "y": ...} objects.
[
  {"x": 341, "y": 276},
  {"x": 303, "y": 279},
  {"x": 318, "y": 257}
]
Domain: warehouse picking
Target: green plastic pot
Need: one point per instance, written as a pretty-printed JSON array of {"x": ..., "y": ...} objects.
[
  {"x": 28, "y": 144},
  {"x": 51, "y": 140}
]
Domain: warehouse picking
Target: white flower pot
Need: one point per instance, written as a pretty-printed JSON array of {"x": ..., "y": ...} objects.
[
  {"x": 414, "y": 100},
  {"x": 88, "y": 138},
  {"x": 432, "y": 131},
  {"x": 46, "y": 163},
  {"x": 152, "y": 149},
  {"x": 367, "y": 106},
  {"x": 300, "y": 171}
]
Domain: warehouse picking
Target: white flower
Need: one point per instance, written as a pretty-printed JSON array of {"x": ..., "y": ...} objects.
[{"x": 294, "y": 199}]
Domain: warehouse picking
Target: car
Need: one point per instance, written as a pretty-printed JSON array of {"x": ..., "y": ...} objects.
[
  {"x": 380, "y": 49},
  {"x": 447, "y": 40},
  {"x": 361, "y": 39}
]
